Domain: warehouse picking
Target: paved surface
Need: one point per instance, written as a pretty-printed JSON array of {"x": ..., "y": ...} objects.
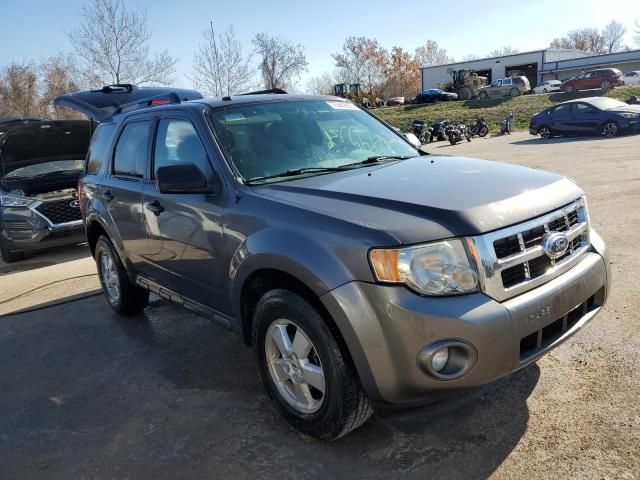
[{"x": 85, "y": 394}]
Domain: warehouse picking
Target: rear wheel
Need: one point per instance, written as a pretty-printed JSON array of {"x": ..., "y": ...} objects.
[
  {"x": 545, "y": 90},
  {"x": 544, "y": 132},
  {"x": 464, "y": 93},
  {"x": 610, "y": 129},
  {"x": 123, "y": 296},
  {"x": 606, "y": 85},
  {"x": 514, "y": 92},
  {"x": 483, "y": 95},
  {"x": 483, "y": 131},
  {"x": 304, "y": 370},
  {"x": 10, "y": 256}
]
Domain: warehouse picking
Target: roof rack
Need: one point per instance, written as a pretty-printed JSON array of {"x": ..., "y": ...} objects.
[
  {"x": 274, "y": 91},
  {"x": 164, "y": 99},
  {"x": 117, "y": 88}
]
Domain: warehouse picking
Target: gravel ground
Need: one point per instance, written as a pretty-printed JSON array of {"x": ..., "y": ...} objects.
[{"x": 84, "y": 394}]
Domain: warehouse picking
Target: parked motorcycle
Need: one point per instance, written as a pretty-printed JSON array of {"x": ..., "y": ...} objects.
[
  {"x": 457, "y": 133},
  {"x": 421, "y": 131},
  {"x": 507, "y": 124},
  {"x": 479, "y": 128},
  {"x": 438, "y": 129}
]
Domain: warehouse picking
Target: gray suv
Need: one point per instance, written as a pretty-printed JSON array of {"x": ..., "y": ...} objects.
[{"x": 360, "y": 269}]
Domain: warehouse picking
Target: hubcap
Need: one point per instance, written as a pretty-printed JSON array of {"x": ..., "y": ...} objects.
[
  {"x": 109, "y": 276},
  {"x": 610, "y": 129},
  {"x": 294, "y": 366}
]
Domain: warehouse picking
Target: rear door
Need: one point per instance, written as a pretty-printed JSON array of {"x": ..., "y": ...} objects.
[
  {"x": 121, "y": 188},
  {"x": 185, "y": 236},
  {"x": 507, "y": 84}
]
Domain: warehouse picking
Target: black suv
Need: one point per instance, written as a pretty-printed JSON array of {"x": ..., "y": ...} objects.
[
  {"x": 357, "y": 267},
  {"x": 40, "y": 162}
]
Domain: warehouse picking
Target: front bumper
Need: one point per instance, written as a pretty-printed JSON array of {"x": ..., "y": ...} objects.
[
  {"x": 386, "y": 327},
  {"x": 23, "y": 230}
]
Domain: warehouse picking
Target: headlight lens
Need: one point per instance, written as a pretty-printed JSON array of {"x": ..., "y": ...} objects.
[
  {"x": 12, "y": 201},
  {"x": 629, "y": 115},
  {"x": 440, "y": 268}
]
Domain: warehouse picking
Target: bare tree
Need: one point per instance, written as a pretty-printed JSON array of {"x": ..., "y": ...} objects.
[
  {"x": 219, "y": 66},
  {"x": 19, "y": 90},
  {"x": 322, "y": 85},
  {"x": 636, "y": 31},
  {"x": 613, "y": 35},
  {"x": 585, "y": 39},
  {"x": 281, "y": 61},
  {"x": 504, "y": 51},
  {"x": 431, "y": 54},
  {"x": 363, "y": 61},
  {"x": 58, "y": 75},
  {"x": 470, "y": 57},
  {"x": 113, "y": 44}
]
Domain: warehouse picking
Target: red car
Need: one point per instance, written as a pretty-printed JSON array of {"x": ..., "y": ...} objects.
[{"x": 604, "y": 78}]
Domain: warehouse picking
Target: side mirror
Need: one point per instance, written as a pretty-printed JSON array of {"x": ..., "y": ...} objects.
[
  {"x": 412, "y": 139},
  {"x": 183, "y": 178}
]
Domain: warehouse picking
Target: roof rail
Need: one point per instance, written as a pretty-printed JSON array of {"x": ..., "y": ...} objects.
[
  {"x": 116, "y": 87},
  {"x": 164, "y": 99},
  {"x": 275, "y": 91}
]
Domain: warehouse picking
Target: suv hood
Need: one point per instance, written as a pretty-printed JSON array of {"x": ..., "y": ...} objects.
[
  {"x": 30, "y": 143},
  {"x": 430, "y": 198}
]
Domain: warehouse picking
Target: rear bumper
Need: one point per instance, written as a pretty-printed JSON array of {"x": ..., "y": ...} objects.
[{"x": 387, "y": 327}]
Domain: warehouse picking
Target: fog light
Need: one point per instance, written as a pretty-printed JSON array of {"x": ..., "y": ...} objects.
[
  {"x": 440, "y": 358},
  {"x": 447, "y": 359}
]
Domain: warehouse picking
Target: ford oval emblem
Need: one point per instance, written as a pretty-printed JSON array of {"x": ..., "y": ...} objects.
[
  {"x": 74, "y": 204},
  {"x": 555, "y": 244}
]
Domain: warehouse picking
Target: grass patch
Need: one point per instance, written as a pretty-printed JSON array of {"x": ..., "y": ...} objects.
[{"x": 493, "y": 109}]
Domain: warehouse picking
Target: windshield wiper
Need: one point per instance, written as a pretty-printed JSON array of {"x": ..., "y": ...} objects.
[
  {"x": 377, "y": 159},
  {"x": 293, "y": 172}
]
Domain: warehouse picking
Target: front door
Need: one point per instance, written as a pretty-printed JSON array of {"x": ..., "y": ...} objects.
[
  {"x": 185, "y": 230},
  {"x": 584, "y": 118},
  {"x": 121, "y": 189}
]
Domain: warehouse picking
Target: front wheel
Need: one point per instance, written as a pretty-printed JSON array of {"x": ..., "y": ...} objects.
[
  {"x": 123, "y": 296},
  {"x": 514, "y": 92},
  {"x": 483, "y": 95},
  {"x": 544, "y": 132},
  {"x": 610, "y": 129},
  {"x": 453, "y": 140},
  {"x": 303, "y": 368},
  {"x": 10, "y": 256},
  {"x": 483, "y": 131}
]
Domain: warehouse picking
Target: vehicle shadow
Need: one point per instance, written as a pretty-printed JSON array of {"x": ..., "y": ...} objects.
[
  {"x": 556, "y": 97},
  {"x": 45, "y": 258},
  {"x": 556, "y": 140}
]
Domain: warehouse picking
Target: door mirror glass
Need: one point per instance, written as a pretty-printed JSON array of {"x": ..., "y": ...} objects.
[{"x": 183, "y": 178}]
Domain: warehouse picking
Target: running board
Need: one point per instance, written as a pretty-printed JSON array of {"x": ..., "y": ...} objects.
[{"x": 196, "y": 307}]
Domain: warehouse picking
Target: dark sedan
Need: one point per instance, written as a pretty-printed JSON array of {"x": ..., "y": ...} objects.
[
  {"x": 434, "y": 95},
  {"x": 587, "y": 116}
]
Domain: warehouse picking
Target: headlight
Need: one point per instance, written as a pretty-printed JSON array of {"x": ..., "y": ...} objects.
[
  {"x": 11, "y": 201},
  {"x": 439, "y": 268},
  {"x": 629, "y": 115}
]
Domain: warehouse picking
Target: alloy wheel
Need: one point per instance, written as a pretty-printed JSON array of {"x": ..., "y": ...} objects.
[
  {"x": 110, "y": 279},
  {"x": 610, "y": 129},
  {"x": 545, "y": 132},
  {"x": 295, "y": 366}
]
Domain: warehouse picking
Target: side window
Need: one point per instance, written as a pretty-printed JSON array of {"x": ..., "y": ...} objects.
[
  {"x": 582, "y": 108},
  {"x": 131, "y": 154},
  {"x": 562, "y": 109},
  {"x": 178, "y": 142},
  {"x": 98, "y": 149},
  {"x": 506, "y": 82}
]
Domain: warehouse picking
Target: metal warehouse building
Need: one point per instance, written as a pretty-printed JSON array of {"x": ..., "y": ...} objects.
[{"x": 537, "y": 66}]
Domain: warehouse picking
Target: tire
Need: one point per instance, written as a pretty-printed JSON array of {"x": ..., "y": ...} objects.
[
  {"x": 545, "y": 90},
  {"x": 465, "y": 93},
  {"x": 124, "y": 297},
  {"x": 483, "y": 95},
  {"x": 452, "y": 140},
  {"x": 468, "y": 137},
  {"x": 610, "y": 129},
  {"x": 606, "y": 85},
  {"x": 514, "y": 92},
  {"x": 568, "y": 89},
  {"x": 483, "y": 131},
  {"x": 334, "y": 403},
  {"x": 545, "y": 132},
  {"x": 10, "y": 256}
]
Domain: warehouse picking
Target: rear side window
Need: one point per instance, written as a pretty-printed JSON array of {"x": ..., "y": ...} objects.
[
  {"x": 131, "y": 154},
  {"x": 178, "y": 142},
  {"x": 99, "y": 147}
]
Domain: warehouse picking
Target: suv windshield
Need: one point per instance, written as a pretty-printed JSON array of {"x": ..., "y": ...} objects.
[
  {"x": 57, "y": 166},
  {"x": 288, "y": 138}
]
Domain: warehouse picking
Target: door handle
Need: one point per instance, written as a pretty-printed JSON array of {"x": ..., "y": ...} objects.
[
  {"x": 108, "y": 196},
  {"x": 155, "y": 207}
]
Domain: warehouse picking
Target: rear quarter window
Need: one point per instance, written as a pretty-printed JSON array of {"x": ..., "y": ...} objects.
[{"x": 99, "y": 148}]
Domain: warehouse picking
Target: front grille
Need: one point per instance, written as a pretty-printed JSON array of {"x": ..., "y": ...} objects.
[
  {"x": 541, "y": 339},
  {"x": 66, "y": 233},
  {"x": 60, "y": 211},
  {"x": 514, "y": 260}
]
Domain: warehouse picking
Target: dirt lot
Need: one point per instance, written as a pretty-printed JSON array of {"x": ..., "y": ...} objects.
[{"x": 84, "y": 394}]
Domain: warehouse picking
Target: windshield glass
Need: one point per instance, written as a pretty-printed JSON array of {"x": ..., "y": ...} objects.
[
  {"x": 604, "y": 103},
  {"x": 267, "y": 139},
  {"x": 46, "y": 168}
]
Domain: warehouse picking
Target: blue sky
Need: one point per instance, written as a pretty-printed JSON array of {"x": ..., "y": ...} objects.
[{"x": 33, "y": 29}]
